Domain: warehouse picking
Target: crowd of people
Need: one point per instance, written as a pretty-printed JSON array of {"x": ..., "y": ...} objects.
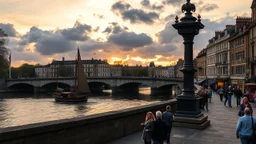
[
  {"x": 246, "y": 125},
  {"x": 157, "y": 128}
]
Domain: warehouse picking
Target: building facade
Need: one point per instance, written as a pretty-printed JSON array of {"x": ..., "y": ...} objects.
[
  {"x": 218, "y": 56},
  {"x": 178, "y": 67},
  {"x": 43, "y": 71},
  {"x": 239, "y": 54},
  {"x": 252, "y": 40},
  {"x": 200, "y": 63},
  {"x": 92, "y": 68}
]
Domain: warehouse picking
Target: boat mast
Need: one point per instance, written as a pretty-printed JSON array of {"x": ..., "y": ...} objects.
[{"x": 76, "y": 72}]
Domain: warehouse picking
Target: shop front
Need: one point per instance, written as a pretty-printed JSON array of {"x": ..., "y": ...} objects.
[{"x": 238, "y": 83}]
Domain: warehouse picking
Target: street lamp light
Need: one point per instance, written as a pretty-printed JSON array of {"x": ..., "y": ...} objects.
[{"x": 188, "y": 111}]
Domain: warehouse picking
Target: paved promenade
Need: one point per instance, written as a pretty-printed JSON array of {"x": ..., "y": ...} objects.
[{"x": 222, "y": 129}]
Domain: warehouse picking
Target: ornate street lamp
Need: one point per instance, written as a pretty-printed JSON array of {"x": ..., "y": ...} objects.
[{"x": 188, "y": 111}]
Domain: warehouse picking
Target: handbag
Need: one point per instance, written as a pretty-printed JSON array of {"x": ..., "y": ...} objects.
[{"x": 253, "y": 132}]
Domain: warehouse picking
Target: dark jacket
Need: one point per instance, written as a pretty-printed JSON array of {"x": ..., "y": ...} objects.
[
  {"x": 242, "y": 107},
  {"x": 168, "y": 118},
  {"x": 147, "y": 131},
  {"x": 159, "y": 130},
  {"x": 238, "y": 93}
]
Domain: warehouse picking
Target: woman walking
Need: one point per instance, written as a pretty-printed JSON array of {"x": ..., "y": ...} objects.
[
  {"x": 147, "y": 131},
  {"x": 244, "y": 105}
]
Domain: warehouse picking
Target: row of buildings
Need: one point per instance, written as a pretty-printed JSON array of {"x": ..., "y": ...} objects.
[
  {"x": 230, "y": 54},
  {"x": 101, "y": 68}
]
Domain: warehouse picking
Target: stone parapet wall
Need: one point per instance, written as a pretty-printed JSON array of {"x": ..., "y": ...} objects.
[{"x": 94, "y": 129}]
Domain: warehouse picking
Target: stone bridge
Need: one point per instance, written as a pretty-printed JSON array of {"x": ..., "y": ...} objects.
[{"x": 111, "y": 82}]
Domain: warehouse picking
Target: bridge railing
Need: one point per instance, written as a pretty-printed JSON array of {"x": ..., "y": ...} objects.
[{"x": 123, "y": 77}]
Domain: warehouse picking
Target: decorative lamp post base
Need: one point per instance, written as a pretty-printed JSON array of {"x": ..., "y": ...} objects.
[
  {"x": 188, "y": 111},
  {"x": 188, "y": 114}
]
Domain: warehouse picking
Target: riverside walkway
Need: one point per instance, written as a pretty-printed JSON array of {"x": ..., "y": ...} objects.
[{"x": 221, "y": 131}]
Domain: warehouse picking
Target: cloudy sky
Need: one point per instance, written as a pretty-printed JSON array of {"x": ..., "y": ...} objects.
[{"x": 135, "y": 31}]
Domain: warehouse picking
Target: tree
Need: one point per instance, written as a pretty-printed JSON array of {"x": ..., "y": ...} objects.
[
  {"x": 25, "y": 70},
  {"x": 3, "y": 54}
]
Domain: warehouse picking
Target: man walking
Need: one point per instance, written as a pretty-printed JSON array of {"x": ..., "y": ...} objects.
[
  {"x": 228, "y": 96},
  {"x": 244, "y": 128},
  {"x": 221, "y": 93},
  {"x": 159, "y": 129},
  {"x": 238, "y": 94},
  {"x": 168, "y": 119}
]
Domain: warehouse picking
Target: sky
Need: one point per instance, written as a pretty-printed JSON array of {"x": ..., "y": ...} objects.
[{"x": 131, "y": 31}]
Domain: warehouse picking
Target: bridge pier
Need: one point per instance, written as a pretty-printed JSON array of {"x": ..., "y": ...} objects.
[
  {"x": 154, "y": 91},
  {"x": 116, "y": 89},
  {"x": 37, "y": 90}
]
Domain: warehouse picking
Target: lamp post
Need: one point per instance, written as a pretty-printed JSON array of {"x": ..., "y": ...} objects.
[{"x": 188, "y": 111}]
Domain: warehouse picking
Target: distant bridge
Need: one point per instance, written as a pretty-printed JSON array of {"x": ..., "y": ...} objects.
[{"x": 124, "y": 82}]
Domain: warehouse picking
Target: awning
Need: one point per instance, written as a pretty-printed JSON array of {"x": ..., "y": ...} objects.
[{"x": 201, "y": 81}]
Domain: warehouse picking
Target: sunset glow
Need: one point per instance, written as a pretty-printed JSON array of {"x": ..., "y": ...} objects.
[{"x": 40, "y": 32}]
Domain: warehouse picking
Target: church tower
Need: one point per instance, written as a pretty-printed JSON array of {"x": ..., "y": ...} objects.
[{"x": 253, "y": 7}]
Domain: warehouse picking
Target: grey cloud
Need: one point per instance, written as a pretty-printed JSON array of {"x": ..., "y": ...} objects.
[
  {"x": 174, "y": 2},
  {"x": 157, "y": 7},
  {"x": 157, "y": 49},
  {"x": 168, "y": 34},
  {"x": 140, "y": 16},
  {"x": 99, "y": 16},
  {"x": 92, "y": 45},
  {"x": 52, "y": 44},
  {"x": 130, "y": 40},
  {"x": 108, "y": 30},
  {"x": 9, "y": 29},
  {"x": 120, "y": 6},
  {"x": 114, "y": 28},
  {"x": 77, "y": 33},
  {"x": 170, "y": 17},
  {"x": 145, "y": 2},
  {"x": 208, "y": 7}
]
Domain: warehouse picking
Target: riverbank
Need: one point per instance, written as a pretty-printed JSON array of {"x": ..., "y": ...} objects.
[{"x": 95, "y": 129}]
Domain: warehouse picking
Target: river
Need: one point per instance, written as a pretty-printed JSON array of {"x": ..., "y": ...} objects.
[{"x": 23, "y": 108}]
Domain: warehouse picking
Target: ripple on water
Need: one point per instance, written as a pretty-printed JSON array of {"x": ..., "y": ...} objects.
[{"x": 21, "y": 111}]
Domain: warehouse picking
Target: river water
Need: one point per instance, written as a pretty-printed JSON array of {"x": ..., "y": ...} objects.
[{"x": 24, "y": 108}]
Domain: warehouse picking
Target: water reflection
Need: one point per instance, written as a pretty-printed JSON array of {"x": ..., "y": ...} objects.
[{"x": 21, "y": 109}]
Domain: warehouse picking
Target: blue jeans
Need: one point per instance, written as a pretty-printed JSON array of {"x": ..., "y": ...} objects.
[
  {"x": 157, "y": 142},
  {"x": 229, "y": 100},
  {"x": 245, "y": 139}
]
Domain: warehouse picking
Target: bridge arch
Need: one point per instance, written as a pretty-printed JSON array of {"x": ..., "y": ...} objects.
[
  {"x": 98, "y": 85},
  {"x": 20, "y": 84},
  {"x": 53, "y": 85},
  {"x": 21, "y": 87}
]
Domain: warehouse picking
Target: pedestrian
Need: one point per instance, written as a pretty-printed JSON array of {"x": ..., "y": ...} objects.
[
  {"x": 159, "y": 129},
  {"x": 244, "y": 105},
  {"x": 201, "y": 94},
  {"x": 205, "y": 97},
  {"x": 209, "y": 93},
  {"x": 221, "y": 93},
  {"x": 245, "y": 127},
  {"x": 147, "y": 131},
  {"x": 238, "y": 93},
  {"x": 247, "y": 93},
  {"x": 254, "y": 98},
  {"x": 228, "y": 96},
  {"x": 168, "y": 119}
]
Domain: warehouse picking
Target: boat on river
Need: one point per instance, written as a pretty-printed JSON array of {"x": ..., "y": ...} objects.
[{"x": 82, "y": 91}]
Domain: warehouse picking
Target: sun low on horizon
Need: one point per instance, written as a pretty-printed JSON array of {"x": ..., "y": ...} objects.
[{"x": 134, "y": 32}]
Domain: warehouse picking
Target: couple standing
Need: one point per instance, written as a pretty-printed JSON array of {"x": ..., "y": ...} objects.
[{"x": 158, "y": 129}]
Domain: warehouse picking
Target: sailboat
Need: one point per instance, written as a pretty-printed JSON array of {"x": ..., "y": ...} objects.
[{"x": 82, "y": 91}]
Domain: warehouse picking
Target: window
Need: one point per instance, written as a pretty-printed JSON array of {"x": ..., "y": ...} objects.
[
  {"x": 240, "y": 69},
  {"x": 240, "y": 55}
]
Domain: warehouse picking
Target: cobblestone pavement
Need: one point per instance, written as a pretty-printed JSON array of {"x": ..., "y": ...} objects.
[{"x": 221, "y": 131}]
